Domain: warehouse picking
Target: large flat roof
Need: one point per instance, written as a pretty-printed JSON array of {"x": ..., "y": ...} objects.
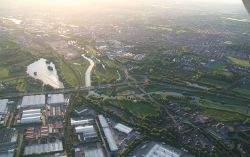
[
  {"x": 56, "y": 99},
  {"x": 111, "y": 142},
  {"x": 93, "y": 152},
  {"x": 103, "y": 121},
  {"x": 44, "y": 148},
  {"x": 3, "y": 105},
  {"x": 33, "y": 100},
  {"x": 155, "y": 149},
  {"x": 123, "y": 128},
  {"x": 110, "y": 139},
  {"x": 80, "y": 122}
]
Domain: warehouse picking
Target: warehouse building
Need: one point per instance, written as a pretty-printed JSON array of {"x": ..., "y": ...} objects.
[
  {"x": 56, "y": 100},
  {"x": 81, "y": 122},
  {"x": 33, "y": 102},
  {"x": 154, "y": 149},
  {"x": 3, "y": 106},
  {"x": 89, "y": 150},
  {"x": 88, "y": 132},
  {"x": 44, "y": 148},
  {"x": 107, "y": 132},
  {"x": 159, "y": 151},
  {"x": 123, "y": 128},
  {"x": 31, "y": 116}
]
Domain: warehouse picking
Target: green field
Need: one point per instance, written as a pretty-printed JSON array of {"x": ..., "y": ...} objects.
[
  {"x": 242, "y": 91},
  {"x": 223, "y": 116},
  {"x": 4, "y": 72},
  {"x": 69, "y": 75},
  {"x": 219, "y": 69},
  {"x": 105, "y": 70},
  {"x": 139, "y": 108},
  {"x": 226, "y": 113},
  {"x": 240, "y": 62},
  {"x": 215, "y": 82}
]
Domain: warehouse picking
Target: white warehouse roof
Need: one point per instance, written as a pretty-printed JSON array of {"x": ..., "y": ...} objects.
[
  {"x": 85, "y": 129},
  {"x": 110, "y": 139},
  {"x": 107, "y": 132},
  {"x": 34, "y": 100},
  {"x": 103, "y": 121},
  {"x": 123, "y": 128},
  {"x": 28, "y": 120},
  {"x": 80, "y": 122},
  {"x": 44, "y": 148},
  {"x": 159, "y": 151},
  {"x": 31, "y": 111},
  {"x": 3, "y": 105},
  {"x": 56, "y": 99},
  {"x": 31, "y": 115}
]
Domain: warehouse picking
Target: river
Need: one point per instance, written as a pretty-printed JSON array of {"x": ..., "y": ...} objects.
[{"x": 88, "y": 71}]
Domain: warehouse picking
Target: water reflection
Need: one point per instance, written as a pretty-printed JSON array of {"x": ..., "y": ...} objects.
[{"x": 46, "y": 72}]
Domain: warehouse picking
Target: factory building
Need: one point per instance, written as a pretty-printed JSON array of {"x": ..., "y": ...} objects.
[
  {"x": 3, "y": 110},
  {"x": 88, "y": 132},
  {"x": 107, "y": 132},
  {"x": 3, "y": 106},
  {"x": 31, "y": 116},
  {"x": 159, "y": 151},
  {"x": 81, "y": 122},
  {"x": 56, "y": 100},
  {"x": 123, "y": 128},
  {"x": 33, "y": 102},
  {"x": 44, "y": 148},
  {"x": 155, "y": 149}
]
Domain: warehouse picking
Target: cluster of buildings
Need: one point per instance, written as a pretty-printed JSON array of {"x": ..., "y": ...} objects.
[
  {"x": 85, "y": 129},
  {"x": 41, "y": 116},
  {"x": 98, "y": 136},
  {"x": 38, "y": 122}
]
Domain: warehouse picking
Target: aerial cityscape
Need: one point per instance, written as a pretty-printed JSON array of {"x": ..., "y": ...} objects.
[{"x": 127, "y": 78}]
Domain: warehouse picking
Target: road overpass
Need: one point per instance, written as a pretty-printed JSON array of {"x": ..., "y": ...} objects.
[{"x": 65, "y": 91}]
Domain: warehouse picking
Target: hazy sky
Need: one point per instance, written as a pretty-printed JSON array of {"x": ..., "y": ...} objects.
[
  {"x": 69, "y": 6},
  {"x": 124, "y": 2}
]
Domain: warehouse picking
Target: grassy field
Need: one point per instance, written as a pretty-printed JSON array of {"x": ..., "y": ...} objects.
[
  {"x": 242, "y": 91},
  {"x": 215, "y": 82},
  {"x": 105, "y": 70},
  {"x": 139, "y": 109},
  {"x": 4, "y": 72},
  {"x": 68, "y": 74},
  {"x": 223, "y": 116},
  {"x": 219, "y": 69},
  {"x": 240, "y": 62},
  {"x": 226, "y": 113}
]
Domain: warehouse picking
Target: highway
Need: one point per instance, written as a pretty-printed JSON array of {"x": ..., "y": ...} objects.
[{"x": 68, "y": 90}]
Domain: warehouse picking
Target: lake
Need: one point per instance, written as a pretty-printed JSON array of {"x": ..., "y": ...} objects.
[{"x": 46, "y": 72}]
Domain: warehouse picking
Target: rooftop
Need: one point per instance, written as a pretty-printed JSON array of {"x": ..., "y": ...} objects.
[
  {"x": 34, "y": 100},
  {"x": 103, "y": 121},
  {"x": 123, "y": 128},
  {"x": 3, "y": 105},
  {"x": 44, "y": 148},
  {"x": 56, "y": 99}
]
